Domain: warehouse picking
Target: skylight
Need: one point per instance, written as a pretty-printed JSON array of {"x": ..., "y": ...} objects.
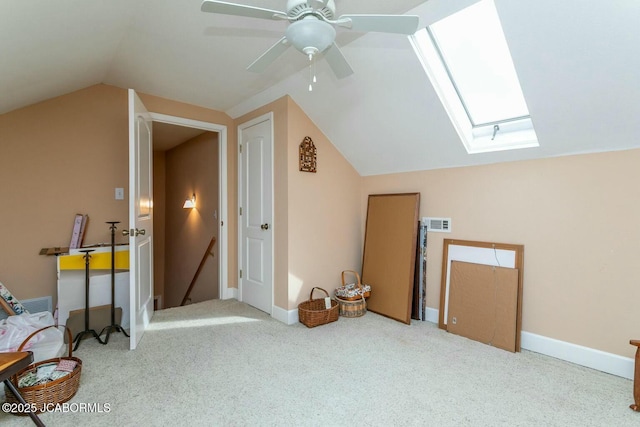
[{"x": 468, "y": 62}]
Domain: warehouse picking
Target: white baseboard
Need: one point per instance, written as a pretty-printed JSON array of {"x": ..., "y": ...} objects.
[
  {"x": 288, "y": 317},
  {"x": 591, "y": 358},
  {"x": 229, "y": 293},
  {"x": 585, "y": 356}
]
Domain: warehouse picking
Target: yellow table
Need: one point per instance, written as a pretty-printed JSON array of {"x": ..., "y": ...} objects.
[{"x": 71, "y": 281}]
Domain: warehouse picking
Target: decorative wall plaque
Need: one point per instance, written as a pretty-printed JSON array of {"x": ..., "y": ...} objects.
[{"x": 308, "y": 154}]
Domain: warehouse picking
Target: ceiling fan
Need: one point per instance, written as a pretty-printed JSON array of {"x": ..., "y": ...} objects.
[{"x": 311, "y": 29}]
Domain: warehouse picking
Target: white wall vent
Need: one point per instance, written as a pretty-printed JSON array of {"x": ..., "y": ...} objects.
[
  {"x": 35, "y": 305},
  {"x": 442, "y": 225}
]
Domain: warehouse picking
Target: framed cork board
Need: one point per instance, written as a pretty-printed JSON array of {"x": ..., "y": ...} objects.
[
  {"x": 487, "y": 254},
  {"x": 389, "y": 256},
  {"x": 483, "y": 301}
]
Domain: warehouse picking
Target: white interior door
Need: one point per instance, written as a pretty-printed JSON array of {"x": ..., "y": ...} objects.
[
  {"x": 140, "y": 218},
  {"x": 256, "y": 138}
]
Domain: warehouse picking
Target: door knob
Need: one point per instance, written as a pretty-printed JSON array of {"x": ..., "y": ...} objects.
[
  {"x": 265, "y": 226},
  {"x": 133, "y": 232}
]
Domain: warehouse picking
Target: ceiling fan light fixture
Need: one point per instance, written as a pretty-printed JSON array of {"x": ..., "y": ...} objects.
[{"x": 310, "y": 35}]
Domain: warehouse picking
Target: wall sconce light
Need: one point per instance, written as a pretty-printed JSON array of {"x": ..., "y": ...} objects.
[{"x": 190, "y": 203}]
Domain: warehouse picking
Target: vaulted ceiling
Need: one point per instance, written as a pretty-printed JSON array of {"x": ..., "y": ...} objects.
[{"x": 577, "y": 63}]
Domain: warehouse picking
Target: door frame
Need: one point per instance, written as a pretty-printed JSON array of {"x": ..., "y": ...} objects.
[
  {"x": 241, "y": 128},
  {"x": 224, "y": 292}
]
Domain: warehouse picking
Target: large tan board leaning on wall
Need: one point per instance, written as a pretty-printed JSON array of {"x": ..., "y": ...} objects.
[
  {"x": 388, "y": 263},
  {"x": 483, "y": 303},
  {"x": 486, "y": 253}
]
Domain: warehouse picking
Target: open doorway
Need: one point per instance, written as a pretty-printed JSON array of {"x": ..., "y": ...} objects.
[{"x": 187, "y": 162}]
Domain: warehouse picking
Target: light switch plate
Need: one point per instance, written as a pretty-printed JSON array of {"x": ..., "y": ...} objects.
[{"x": 119, "y": 193}]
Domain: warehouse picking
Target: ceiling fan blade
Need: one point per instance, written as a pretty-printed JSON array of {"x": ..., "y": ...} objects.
[
  {"x": 226, "y": 8},
  {"x": 337, "y": 61},
  {"x": 400, "y": 24},
  {"x": 261, "y": 64}
]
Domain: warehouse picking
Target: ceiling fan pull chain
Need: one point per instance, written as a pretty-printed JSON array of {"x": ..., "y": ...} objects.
[
  {"x": 312, "y": 74},
  {"x": 314, "y": 69}
]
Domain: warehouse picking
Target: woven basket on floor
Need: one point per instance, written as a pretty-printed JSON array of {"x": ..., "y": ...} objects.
[
  {"x": 315, "y": 312},
  {"x": 355, "y": 308},
  {"x": 352, "y": 291},
  {"x": 45, "y": 396}
]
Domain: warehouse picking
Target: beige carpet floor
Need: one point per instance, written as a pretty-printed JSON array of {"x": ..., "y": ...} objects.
[{"x": 223, "y": 363}]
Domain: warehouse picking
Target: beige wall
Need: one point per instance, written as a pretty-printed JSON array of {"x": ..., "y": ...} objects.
[
  {"x": 325, "y": 237},
  {"x": 191, "y": 167},
  {"x": 577, "y": 218},
  {"x": 65, "y": 156},
  {"x": 59, "y": 157},
  {"x": 316, "y": 216}
]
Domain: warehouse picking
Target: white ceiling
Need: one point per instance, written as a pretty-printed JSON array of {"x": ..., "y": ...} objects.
[{"x": 577, "y": 62}]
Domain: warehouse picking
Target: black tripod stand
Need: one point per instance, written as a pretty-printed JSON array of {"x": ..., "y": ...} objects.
[
  {"x": 113, "y": 326},
  {"x": 79, "y": 336}
]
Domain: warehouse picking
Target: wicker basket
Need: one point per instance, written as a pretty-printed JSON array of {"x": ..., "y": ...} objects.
[
  {"x": 358, "y": 287},
  {"x": 355, "y": 308},
  {"x": 315, "y": 312},
  {"x": 51, "y": 393}
]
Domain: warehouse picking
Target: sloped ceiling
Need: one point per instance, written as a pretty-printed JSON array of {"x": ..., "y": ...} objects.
[{"x": 577, "y": 63}]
